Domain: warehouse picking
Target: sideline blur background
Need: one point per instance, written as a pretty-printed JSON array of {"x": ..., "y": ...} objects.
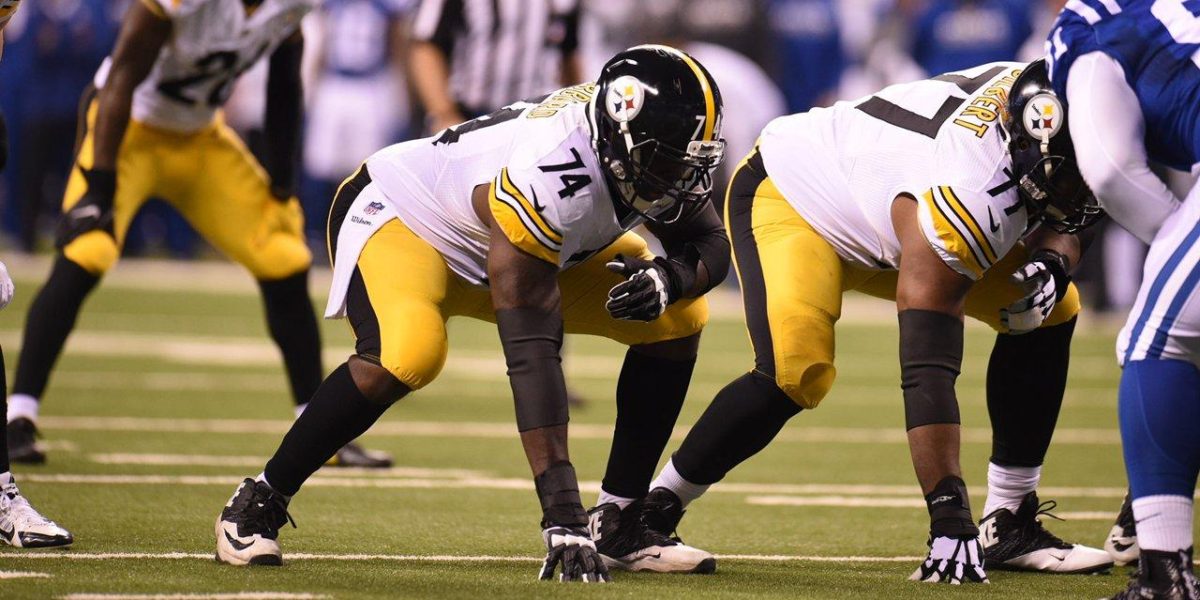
[{"x": 770, "y": 57}]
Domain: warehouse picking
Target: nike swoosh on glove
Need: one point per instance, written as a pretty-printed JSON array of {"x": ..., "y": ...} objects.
[
  {"x": 952, "y": 560},
  {"x": 572, "y": 549},
  {"x": 650, "y": 287}
]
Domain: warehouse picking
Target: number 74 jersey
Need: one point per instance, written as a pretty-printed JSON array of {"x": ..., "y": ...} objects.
[
  {"x": 939, "y": 140},
  {"x": 546, "y": 190},
  {"x": 212, "y": 43}
]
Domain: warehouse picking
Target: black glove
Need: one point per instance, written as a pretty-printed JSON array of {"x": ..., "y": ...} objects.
[
  {"x": 572, "y": 547},
  {"x": 650, "y": 287},
  {"x": 1045, "y": 280},
  {"x": 93, "y": 211}
]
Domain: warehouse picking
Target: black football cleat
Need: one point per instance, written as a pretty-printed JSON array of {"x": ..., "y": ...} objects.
[
  {"x": 248, "y": 528},
  {"x": 661, "y": 511},
  {"x": 1019, "y": 542},
  {"x": 1121, "y": 543},
  {"x": 353, "y": 455},
  {"x": 625, "y": 542},
  {"x": 1163, "y": 575},
  {"x": 22, "y": 442}
]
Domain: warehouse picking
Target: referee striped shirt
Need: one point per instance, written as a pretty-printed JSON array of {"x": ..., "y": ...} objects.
[{"x": 499, "y": 51}]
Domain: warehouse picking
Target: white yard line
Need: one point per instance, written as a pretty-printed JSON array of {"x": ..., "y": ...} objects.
[
  {"x": 436, "y": 558},
  {"x": 258, "y": 461},
  {"x": 23, "y": 575},
  {"x": 778, "y": 494},
  {"x": 880, "y": 502},
  {"x": 844, "y": 435},
  {"x": 232, "y": 596}
]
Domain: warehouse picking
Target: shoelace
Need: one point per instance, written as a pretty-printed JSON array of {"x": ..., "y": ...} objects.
[
  {"x": 262, "y": 512},
  {"x": 1038, "y": 531}
]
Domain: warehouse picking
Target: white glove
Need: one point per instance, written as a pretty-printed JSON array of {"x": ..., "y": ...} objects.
[
  {"x": 952, "y": 560},
  {"x": 6, "y": 286},
  {"x": 1041, "y": 294}
]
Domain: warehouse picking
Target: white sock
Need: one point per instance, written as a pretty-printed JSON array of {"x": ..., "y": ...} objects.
[
  {"x": 300, "y": 409},
  {"x": 6, "y": 478},
  {"x": 1007, "y": 486},
  {"x": 263, "y": 478},
  {"x": 1163, "y": 522},
  {"x": 620, "y": 501},
  {"x": 22, "y": 405},
  {"x": 671, "y": 479}
]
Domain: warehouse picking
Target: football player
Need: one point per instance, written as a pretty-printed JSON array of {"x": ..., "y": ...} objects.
[
  {"x": 954, "y": 195},
  {"x": 522, "y": 218},
  {"x": 153, "y": 128},
  {"x": 1130, "y": 74},
  {"x": 20, "y": 525}
]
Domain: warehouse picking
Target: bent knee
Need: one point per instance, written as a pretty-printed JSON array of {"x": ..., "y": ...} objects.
[
  {"x": 95, "y": 251},
  {"x": 283, "y": 256},
  {"x": 807, "y": 384},
  {"x": 377, "y": 384},
  {"x": 684, "y": 318},
  {"x": 1066, "y": 309}
]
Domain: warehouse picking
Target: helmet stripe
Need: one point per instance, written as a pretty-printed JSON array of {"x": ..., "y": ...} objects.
[{"x": 710, "y": 104}]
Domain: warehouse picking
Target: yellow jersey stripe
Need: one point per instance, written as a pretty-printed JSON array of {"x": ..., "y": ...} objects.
[
  {"x": 710, "y": 103},
  {"x": 510, "y": 220},
  {"x": 969, "y": 221},
  {"x": 534, "y": 216},
  {"x": 952, "y": 238}
]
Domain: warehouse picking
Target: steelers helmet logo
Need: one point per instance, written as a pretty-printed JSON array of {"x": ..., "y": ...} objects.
[
  {"x": 1044, "y": 116},
  {"x": 625, "y": 99}
]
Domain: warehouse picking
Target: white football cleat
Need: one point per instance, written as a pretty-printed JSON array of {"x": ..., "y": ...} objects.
[
  {"x": 1122, "y": 543},
  {"x": 23, "y": 527},
  {"x": 624, "y": 542},
  {"x": 1019, "y": 542},
  {"x": 248, "y": 528}
]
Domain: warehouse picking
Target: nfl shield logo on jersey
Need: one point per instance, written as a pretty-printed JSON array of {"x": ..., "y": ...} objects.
[
  {"x": 1044, "y": 116},
  {"x": 373, "y": 208}
]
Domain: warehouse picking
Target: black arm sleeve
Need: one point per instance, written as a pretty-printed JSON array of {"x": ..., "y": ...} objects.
[
  {"x": 570, "y": 40},
  {"x": 283, "y": 120},
  {"x": 931, "y": 350},
  {"x": 532, "y": 341},
  {"x": 698, "y": 237}
]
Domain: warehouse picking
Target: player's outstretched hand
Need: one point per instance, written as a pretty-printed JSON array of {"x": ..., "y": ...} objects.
[
  {"x": 644, "y": 294},
  {"x": 570, "y": 551},
  {"x": 6, "y": 286},
  {"x": 952, "y": 560},
  {"x": 93, "y": 211}
]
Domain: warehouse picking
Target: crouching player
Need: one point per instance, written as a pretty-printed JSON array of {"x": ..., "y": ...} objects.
[
  {"x": 522, "y": 218},
  {"x": 930, "y": 194}
]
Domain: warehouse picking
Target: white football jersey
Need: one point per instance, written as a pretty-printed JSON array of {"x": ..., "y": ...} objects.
[
  {"x": 546, "y": 189},
  {"x": 939, "y": 140},
  {"x": 212, "y": 43}
]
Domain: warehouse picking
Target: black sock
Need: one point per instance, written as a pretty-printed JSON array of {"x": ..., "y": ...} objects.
[
  {"x": 744, "y": 417},
  {"x": 4, "y": 466},
  {"x": 338, "y": 413},
  {"x": 1026, "y": 379},
  {"x": 293, "y": 326},
  {"x": 650, "y": 393},
  {"x": 50, "y": 320}
]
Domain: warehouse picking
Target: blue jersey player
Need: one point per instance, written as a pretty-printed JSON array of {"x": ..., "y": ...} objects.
[{"x": 1130, "y": 73}]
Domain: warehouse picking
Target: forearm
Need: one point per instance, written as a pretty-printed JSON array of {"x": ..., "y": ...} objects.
[
  {"x": 430, "y": 76},
  {"x": 114, "y": 104},
  {"x": 1067, "y": 246},
  {"x": 283, "y": 119},
  {"x": 700, "y": 245}
]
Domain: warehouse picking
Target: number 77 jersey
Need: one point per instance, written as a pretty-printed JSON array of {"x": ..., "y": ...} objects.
[
  {"x": 212, "y": 43},
  {"x": 939, "y": 140}
]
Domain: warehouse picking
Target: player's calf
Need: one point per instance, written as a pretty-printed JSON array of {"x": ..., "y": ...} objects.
[{"x": 248, "y": 527}]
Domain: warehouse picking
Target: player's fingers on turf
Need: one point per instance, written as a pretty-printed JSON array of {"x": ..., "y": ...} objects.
[{"x": 552, "y": 560}]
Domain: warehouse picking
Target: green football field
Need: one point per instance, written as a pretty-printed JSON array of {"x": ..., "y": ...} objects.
[{"x": 170, "y": 392}]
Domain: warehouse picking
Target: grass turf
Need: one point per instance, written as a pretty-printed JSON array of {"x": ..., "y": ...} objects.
[{"x": 176, "y": 359}]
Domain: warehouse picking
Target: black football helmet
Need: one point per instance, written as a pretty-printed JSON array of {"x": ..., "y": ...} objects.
[
  {"x": 656, "y": 128},
  {"x": 1043, "y": 156}
]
